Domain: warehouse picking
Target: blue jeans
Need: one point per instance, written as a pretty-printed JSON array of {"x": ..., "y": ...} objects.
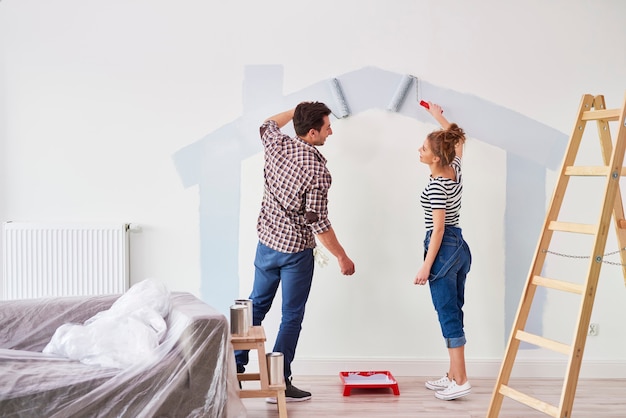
[
  {"x": 447, "y": 283},
  {"x": 296, "y": 273}
]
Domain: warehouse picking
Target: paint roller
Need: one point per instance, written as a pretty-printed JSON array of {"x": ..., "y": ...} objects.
[
  {"x": 400, "y": 94},
  {"x": 422, "y": 103},
  {"x": 340, "y": 99}
]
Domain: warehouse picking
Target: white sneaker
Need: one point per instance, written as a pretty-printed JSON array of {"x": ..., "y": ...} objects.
[
  {"x": 440, "y": 384},
  {"x": 454, "y": 391}
]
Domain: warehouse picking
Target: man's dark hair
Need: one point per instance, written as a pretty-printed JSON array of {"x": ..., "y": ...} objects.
[{"x": 309, "y": 115}]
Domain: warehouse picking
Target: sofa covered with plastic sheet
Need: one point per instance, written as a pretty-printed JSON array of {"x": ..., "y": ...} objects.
[{"x": 190, "y": 375}]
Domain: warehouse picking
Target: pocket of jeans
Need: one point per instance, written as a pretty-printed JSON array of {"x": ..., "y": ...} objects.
[{"x": 447, "y": 257}]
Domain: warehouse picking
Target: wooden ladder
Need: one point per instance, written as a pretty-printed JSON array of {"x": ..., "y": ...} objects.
[{"x": 591, "y": 109}]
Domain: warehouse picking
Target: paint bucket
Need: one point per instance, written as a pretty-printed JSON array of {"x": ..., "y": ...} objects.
[
  {"x": 239, "y": 320},
  {"x": 275, "y": 368},
  {"x": 248, "y": 303}
]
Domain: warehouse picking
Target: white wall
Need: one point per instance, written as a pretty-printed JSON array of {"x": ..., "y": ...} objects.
[{"x": 98, "y": 96}]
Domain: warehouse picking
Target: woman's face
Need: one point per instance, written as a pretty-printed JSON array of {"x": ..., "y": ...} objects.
[{"x": 426, "y": 153}]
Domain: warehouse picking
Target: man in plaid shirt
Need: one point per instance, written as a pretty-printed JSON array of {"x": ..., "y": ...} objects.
[{"x": 293, "y": 213}]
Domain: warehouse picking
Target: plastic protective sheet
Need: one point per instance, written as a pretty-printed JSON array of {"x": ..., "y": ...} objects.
[
  {"x": 124, "y": 335},
  {"x": 192, "y": 372}
]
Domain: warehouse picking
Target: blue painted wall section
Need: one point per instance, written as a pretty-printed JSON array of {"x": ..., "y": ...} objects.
[
  {"x": 214, "y": 163},
  {"x": 524, "y": 216}
]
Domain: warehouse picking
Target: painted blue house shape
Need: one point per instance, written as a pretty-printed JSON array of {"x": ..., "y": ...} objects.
[{"x": 214, "y": 163}]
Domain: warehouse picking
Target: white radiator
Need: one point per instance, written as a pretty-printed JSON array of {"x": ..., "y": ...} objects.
[{"x": 64, "y": 259}]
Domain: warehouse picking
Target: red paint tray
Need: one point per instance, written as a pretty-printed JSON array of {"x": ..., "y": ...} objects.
[{"x": 368, "y": 380}]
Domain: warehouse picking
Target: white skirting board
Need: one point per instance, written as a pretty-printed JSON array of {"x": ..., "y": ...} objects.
[{"x": 592, "y": 369}]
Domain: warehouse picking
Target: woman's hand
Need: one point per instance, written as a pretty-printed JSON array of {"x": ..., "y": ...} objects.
[
  {"x": 434, "y": 109},
  {"x": 437, "y": 113},
  {"x": 422, "y": 276}
]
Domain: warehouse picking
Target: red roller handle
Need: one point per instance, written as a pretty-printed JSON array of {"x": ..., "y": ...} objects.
[{"x": 426, "y": 105}]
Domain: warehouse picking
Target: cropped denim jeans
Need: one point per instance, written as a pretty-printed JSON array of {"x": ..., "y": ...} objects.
[
  {"x": 447, "y": 283},
  {"x": 294, "y": 272}
]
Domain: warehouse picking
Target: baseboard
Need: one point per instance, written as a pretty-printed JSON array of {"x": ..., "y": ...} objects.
[{"x": 476, "y": 368}]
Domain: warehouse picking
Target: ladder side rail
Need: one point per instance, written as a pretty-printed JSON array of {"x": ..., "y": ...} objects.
[
  {"x": 568, "y": 160},
  {"x": 570, "y": 382},
  {"x": 506, "y": 367},
  {"x": 604, "y": 133},
  {"x": 528, "y": 295},
  {"x": 595, "y": 264}
]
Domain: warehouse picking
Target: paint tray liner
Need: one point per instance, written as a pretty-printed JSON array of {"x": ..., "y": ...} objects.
[{"x": 368, "y": 380}]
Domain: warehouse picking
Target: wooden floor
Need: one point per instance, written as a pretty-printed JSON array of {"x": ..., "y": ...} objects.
[{"x": 595, "y": 398}]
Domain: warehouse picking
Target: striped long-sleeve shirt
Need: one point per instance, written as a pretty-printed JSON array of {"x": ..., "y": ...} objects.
[{"x": 443, "y": 193}]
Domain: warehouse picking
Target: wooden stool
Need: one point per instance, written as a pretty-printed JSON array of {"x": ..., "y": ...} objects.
[{"x": 255, "y": 340}]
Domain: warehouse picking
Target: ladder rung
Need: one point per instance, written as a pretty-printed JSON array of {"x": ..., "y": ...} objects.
[
  {"x": 543, "y": 342},
  {"x": 573, "y": 227},
  {"x": 558, "y": 285},
  {"x": 605, "y": 114},
  {"x": 590, "y": 171},
  {"x": 535, "y": 403},
  {"x": 586, "y": 171}
]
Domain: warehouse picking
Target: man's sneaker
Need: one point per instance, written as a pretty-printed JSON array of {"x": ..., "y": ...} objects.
[
  {"x": 292, "y": 394},
  {"x": 454, "y": 391},
  {"x": 440, "y": 384}
]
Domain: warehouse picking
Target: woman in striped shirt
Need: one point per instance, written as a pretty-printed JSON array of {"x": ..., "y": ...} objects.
[{"x": 447, "y": 257}]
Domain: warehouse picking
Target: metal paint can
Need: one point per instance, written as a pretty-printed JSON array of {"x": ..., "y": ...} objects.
[
  {"x": 239, "y": 320},
  {"x": 275, "y": 368},
  {"x": 248, "y": 303}
]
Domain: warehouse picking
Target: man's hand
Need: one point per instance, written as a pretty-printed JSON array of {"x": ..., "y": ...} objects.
[
  {"x": 329, "y": 240},
  {"x": 346, "y": 266},
  {"x": 282, "y": 118}
]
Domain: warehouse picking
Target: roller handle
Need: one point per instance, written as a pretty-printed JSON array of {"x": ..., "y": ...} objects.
[{"x": 425, "y": 104}]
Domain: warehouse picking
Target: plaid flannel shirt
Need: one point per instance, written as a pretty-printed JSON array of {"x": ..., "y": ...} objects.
[{"x": 295, "y": 199}]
